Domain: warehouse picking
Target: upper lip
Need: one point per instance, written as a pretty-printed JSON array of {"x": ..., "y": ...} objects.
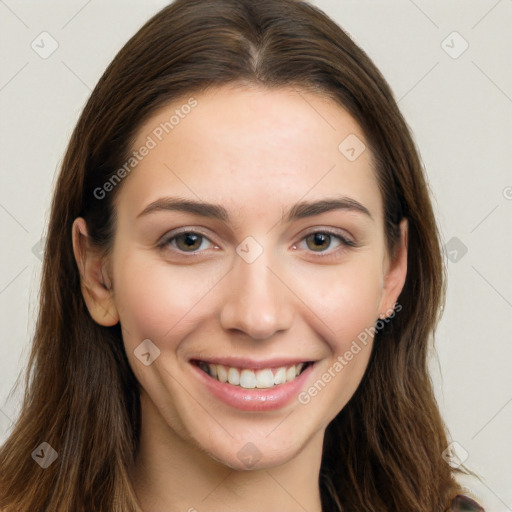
[{"x": 242, "y": 362}]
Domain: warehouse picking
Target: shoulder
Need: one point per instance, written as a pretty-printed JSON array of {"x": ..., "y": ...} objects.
[
  {"x": 465, "y": 503},
  {"x": 479, "y": 492}
]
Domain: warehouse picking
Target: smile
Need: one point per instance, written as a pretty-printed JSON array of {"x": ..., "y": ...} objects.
[
  {"x": 251, "y": 385},
  {"x": 247, "y": 378}
]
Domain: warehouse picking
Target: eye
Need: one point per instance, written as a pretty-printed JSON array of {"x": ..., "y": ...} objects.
[
  {"x": 186, "y": 241},
  {"x": 194, "y": 242},
  {"x": 321, "y": 241}
]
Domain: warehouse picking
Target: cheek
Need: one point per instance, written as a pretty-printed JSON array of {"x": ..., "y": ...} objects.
[
  {"x": 156, "y": 301},
  {"x": 345, "y": 307},
  {"x": 344, "y": 300}
]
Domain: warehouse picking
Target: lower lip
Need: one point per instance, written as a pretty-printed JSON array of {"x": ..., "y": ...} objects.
[{"x": 254, "y": 399}]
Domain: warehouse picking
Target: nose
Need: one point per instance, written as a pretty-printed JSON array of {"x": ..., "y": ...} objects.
[{"x": 257, "y": 301}]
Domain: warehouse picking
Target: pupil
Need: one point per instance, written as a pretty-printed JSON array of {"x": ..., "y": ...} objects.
[
  {"x": 190, "y": 240},
  {"x": 321, "y": 239}
]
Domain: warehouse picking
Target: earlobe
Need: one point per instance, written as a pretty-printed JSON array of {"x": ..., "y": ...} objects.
[
  {"x": 95, "y": 283},
  {"x": 396, "y": 274}
]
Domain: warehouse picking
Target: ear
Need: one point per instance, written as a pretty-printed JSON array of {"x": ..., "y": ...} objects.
[
  {"x": 95, "y": 284},
  {"x": 395, "y": 274}
]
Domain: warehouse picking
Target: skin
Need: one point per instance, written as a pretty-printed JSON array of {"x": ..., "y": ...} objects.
[{"x": 256, "y": 152}]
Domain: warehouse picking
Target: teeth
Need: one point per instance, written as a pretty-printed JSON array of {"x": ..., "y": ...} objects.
[
  {"x": 290, "y": 374},
  {"x": 233, "y": 377},
  {"x": 222, "y": 373},
  {"x": 248, "y": 379},
  {"x": 280, "y": 376},
  {"x": 264, "y": 379}
]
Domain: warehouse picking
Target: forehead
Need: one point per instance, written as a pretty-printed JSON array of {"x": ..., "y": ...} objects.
[{"x": 241, "y": 145}]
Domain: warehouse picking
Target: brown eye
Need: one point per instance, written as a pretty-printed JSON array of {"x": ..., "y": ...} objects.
[
  {"x": 188, "y": 242},
  {"x": 318, "y": 241},
  {"x": 191, "y": 242},
  {"x": 326, "y": 244}
]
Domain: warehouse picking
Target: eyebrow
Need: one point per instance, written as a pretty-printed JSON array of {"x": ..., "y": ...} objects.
[{"x": 299, "y": 210}]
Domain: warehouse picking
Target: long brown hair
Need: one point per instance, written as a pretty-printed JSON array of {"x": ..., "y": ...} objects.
[{"x": 383, "y": 451}]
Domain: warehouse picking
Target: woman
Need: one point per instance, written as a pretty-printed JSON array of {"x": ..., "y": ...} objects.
[{"x": 241, "y": 278}]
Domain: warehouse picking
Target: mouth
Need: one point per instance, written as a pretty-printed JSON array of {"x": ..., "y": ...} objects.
[{"x": 250, "y": 377}]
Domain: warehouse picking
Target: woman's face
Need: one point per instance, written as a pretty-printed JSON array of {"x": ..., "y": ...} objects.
[{"x": 250, "y": 236}]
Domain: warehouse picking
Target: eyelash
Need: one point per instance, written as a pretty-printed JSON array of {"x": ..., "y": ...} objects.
[{"x": 345, "y": 243}]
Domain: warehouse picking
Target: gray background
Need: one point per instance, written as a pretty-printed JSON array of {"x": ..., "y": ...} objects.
[{"x": 458, "y": 105}]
